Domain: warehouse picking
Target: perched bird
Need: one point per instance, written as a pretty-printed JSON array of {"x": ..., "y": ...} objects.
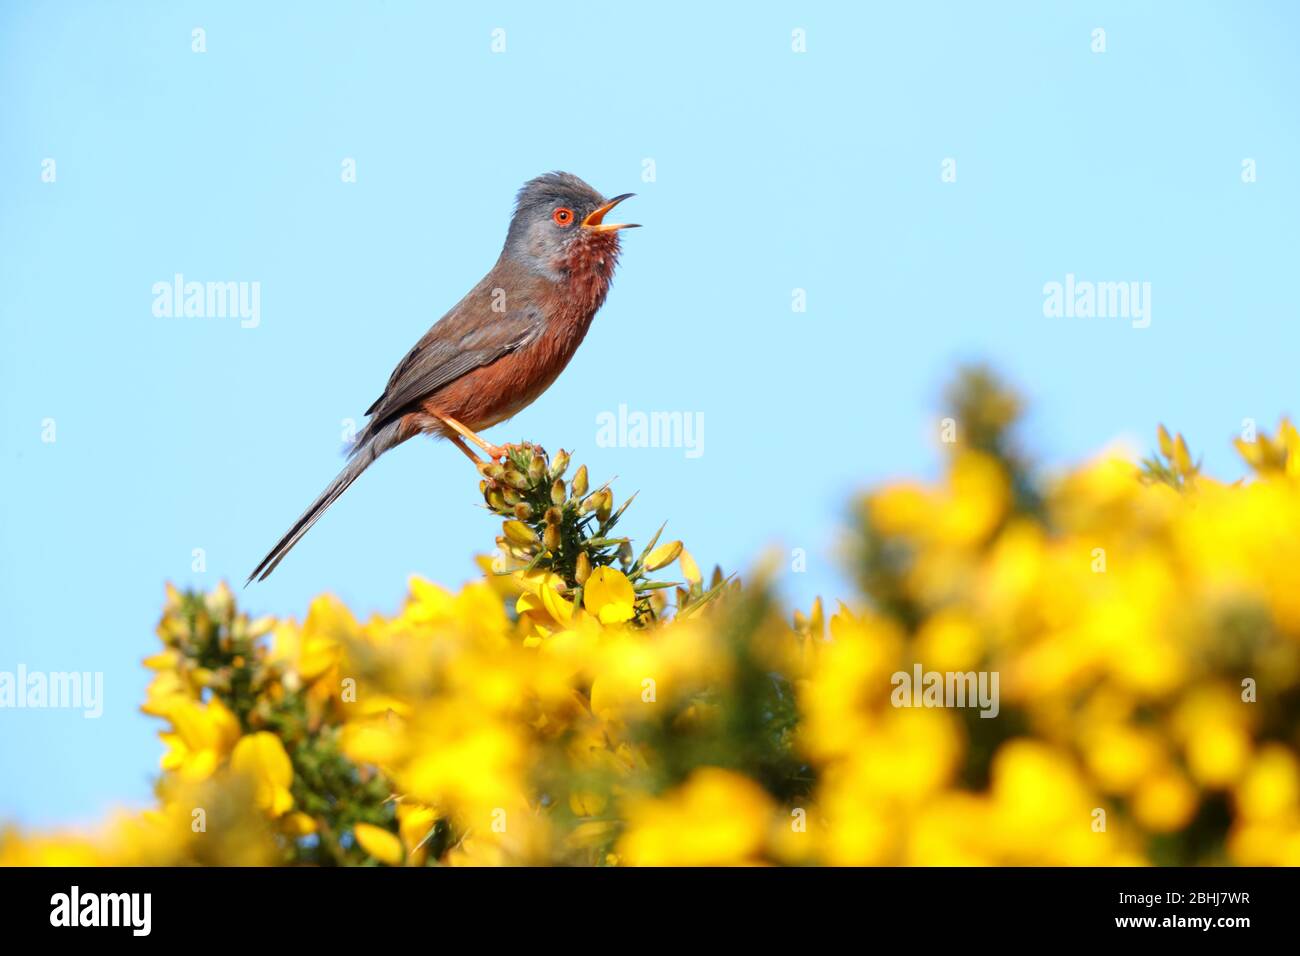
[{"x": 502, "y": 345}]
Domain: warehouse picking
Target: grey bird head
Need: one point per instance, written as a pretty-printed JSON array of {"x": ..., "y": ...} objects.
[{"x": 559, "y": 220}]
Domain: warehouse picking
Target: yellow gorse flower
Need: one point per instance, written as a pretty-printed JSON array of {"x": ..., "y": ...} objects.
[{"x": 608, "y": 594}]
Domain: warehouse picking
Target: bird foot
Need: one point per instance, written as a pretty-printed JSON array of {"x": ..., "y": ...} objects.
[{"x": 499, "y": 452}]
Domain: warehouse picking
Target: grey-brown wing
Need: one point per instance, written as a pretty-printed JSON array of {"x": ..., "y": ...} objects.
[{"x": 451, "y": 349}]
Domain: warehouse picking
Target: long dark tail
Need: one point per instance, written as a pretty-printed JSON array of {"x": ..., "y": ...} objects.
[{"x": 367, "y": 450}]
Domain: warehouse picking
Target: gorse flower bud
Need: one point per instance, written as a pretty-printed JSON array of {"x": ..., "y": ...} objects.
[
  {"x": 536, "y": 469},
  {"x": 559, "y": 465},
  {"x": 690, "y": 570},
  {"x": 551, "y": 538},
  {"x": 578, "y": 488},
  {"x": 663, "y": 555}
]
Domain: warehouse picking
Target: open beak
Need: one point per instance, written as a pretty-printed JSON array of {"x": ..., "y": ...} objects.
[{"x": 595, "y": 221}]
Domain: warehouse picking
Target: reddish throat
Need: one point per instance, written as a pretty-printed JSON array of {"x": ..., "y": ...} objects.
[{"x": 588, "y": 269}]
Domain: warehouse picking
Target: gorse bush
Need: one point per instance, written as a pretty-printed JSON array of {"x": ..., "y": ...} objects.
[{"x": 1124, "y": 639}]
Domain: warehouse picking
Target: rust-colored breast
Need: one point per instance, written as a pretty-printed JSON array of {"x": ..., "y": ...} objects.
[{"x": 492, "y": 393}]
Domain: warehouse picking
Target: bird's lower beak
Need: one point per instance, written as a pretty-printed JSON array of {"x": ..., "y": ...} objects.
[{"x": 595, "y": 220}]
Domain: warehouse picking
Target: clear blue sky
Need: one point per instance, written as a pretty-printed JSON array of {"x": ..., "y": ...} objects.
[{"x": 774, "y": 171}]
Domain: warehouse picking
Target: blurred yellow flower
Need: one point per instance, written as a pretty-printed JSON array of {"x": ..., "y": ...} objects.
[
  {"x": 415, "y": 823},
  {"x": 716, "y": 818},
  {"x": 1164, "y": 801},
  {"x": 202, "y": 736},
  {"x": 1270, "y": 789},
  {"x": 1120, "y": 755},
  {"x": 261, "y": 757},
  {"x": 379, "y": 843},
  {"x": 976, "y": 501}
]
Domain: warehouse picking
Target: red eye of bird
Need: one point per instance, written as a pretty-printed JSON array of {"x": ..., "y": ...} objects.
[{"x": 562, "y": 216}]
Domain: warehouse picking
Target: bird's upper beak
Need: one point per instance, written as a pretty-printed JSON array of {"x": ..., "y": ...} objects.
[{"x": 595, "y": 220}]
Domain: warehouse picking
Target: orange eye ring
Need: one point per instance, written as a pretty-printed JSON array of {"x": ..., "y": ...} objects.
[{"x": 563, "y": 216}]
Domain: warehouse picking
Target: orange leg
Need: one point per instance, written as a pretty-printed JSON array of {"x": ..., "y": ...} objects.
[
  {"x": 460, "y": 443},
  {"x": 492, "y": 451}
]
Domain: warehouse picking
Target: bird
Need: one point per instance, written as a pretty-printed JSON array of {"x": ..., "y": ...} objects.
[{"x": 501, "y": 346}]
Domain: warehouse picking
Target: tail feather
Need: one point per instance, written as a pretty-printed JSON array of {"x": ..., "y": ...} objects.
[{"x": 366, "y": 451}]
